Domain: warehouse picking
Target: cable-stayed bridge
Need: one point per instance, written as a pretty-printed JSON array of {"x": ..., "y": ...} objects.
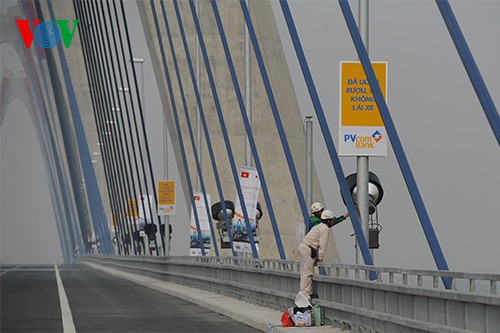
[{"x": 228, "y": 101}]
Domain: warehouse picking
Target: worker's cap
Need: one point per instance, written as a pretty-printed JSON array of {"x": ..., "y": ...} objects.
[
  {"x": 327, "y": 215},
  {"x": 316, "y": 207}
]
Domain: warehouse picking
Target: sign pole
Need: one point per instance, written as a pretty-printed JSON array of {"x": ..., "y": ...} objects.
[
  {"x": 198, "y": 118},
  {"x": 248, "y": 92},
  {"x": 362, "y": 163},
  {"x": 309, "y": 164},
  {"x": 166, "y": 220}
]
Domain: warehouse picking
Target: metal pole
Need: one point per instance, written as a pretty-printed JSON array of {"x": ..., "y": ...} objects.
[
  {"x": 362, "y": 163},
  {"x": 309, "y": 160},
  {"x": 143, "y": 96},
  {"x": 248, "y": 91},
  {"x": 143, "y": 106},
  {"x": 166, "y": 251},
  {"x": 248, "y": 97},
  {"x": 198, "y": 120},
  {"x": 143, "y": 93}
]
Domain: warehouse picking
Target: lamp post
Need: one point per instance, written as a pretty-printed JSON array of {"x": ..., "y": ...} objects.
[
  {"x": 166, "y": 220},
  {"x": 248, "y": 90},
  {"x": 143, "y": 96},
  {"x": 362, "y": 162},
  {"x": 198, "y": 120},
  {"x": 308, "y": 127}
]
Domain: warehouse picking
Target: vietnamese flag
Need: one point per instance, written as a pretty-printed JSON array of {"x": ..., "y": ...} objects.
[
  {"x": 245, "y": 174},
  {"x": 197, "y": 197}
]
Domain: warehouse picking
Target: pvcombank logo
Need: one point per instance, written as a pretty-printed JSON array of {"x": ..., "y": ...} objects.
[
  {"x": 377, "y": 136},
  {"x": 364, "y": 141},
  {"x": 47, "y": 34}
]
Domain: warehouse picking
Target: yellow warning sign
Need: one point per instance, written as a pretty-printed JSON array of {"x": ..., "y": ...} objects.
[
  {"x": 358, "y": 106},
  {"x": 166, "y": 197},
  {"x": 132, "y": 208},
  {"x": 362, "y": 131}
]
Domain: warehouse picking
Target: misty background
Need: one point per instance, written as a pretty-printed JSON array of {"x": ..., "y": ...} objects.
[{"x": 450, "y": 146}]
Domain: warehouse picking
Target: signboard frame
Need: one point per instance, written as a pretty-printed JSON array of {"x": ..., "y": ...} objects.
[
  {"x": 166, "y": 197},
  {"x": 361, "y": 128}
]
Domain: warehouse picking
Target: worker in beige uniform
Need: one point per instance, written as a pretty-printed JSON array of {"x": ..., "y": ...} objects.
[{"x": 313, "y": 247}]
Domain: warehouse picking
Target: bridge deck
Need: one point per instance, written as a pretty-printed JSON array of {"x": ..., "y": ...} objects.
[
  {"x": 250, "y": 314},
  {"x": 106, "y": 300}
]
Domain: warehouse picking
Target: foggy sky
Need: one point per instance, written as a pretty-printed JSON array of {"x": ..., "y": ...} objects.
[{"x": 447, "y": 139}]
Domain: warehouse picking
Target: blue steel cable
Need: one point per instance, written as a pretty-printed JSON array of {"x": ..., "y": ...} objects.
[
  {"x": 274, "y": 108},
  {"x": 117, "y": 154},
  {"x": 177, "y": 125},
  {"x": 143, "y": 125},
  {"x": 248, "y": 130},
  {"x": 73, "y": 165},
  {"x": 356, "y": 224},
  {"x": 120, "y": 114},
  {"x": 96, "y": 90},
  {"x": 85, "y": 209},
  {"x": 470, "y": 66},
  {"x": 186, "y": 112},
  {"x": 100, "y": 90},
  {"x": 47, "y": 118},
  {"x": 129, "y": 119},
  {"x": 223, "y": 129},
  {"x": 61, "y": 180},
  {"x": 205, "y": 127},
  {"x": 82, "y": 33},
  {"x": 144, "y": 134},
  {"x": 109, "y": 149},
  {"x": 396, "y": 143},
  {"x": 112, "y": 144},
  {"x": 40, "y": 103}
]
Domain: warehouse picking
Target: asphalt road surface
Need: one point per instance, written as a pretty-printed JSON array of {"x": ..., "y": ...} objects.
[{"x": 30, "y": 302}]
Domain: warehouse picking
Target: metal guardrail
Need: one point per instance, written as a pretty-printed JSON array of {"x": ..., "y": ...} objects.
[
  {"x": 461, "y": 281},
  {"x": 400, "y": 300},
  {"x": 420, "y": 278}
]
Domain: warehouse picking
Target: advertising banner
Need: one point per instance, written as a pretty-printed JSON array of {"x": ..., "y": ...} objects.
[
  {"x": 250, "y": 186},
  {"x": 144, "y": 211},
  {"x": 194, "y": 245},
  {"x": 166, "y": 197},
  {"x": 362, "y": 131}
]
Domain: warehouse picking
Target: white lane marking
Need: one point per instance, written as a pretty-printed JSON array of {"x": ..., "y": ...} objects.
[
  {"x": 67, "y": 317},
  {"x": 12, "y": 269}
]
